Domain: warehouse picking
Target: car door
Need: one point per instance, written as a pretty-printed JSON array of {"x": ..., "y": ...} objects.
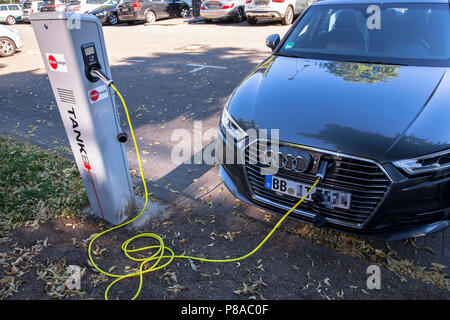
[
  {"x": 173, "y": 7},
  {"x": 15, "y": 11},
  {"x": 160, "y": 8},
  {"x": 3, "y": 13}
]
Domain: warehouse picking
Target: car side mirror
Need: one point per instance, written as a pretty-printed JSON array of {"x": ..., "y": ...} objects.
[{"x": 272, "y": 41}]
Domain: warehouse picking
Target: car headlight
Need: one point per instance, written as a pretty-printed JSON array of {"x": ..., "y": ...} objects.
[
  {"x": 429, "y": 163},
  {"x": 231, "y": 127}
]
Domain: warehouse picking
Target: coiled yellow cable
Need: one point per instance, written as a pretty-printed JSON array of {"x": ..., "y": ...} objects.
[{"x": 162, "y": 251}]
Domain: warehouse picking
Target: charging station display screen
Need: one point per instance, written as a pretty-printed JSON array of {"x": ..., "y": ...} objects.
[{"x": 89, "y": 50}]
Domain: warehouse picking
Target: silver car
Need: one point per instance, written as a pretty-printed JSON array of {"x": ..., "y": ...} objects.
[
  {"x": 282, "y": 10},
  {"x": 10, "y": 40},
  {"x": 223, "y": 9},
  {"x": 10, "y": 13}
]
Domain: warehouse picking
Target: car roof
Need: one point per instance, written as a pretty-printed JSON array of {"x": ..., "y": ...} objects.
[{"x": 325, "y": 2}]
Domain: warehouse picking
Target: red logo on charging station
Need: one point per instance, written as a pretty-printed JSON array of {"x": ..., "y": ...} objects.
[
  {"x": 52, "y": 61},
  {"x": 94, "y": 95},
  {"x": 98, "y": 94},
  {"x": 57, "y": 62}
]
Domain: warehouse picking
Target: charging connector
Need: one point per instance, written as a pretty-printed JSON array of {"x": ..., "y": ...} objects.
[
  {"x": 95, "y": 73},
  {"x": 324, "y": 165}
]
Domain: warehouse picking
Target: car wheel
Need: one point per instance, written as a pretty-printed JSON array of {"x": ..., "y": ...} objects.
[
  {"x": 10, "y": 20},
  {"x": 150, "y": 17},
  {"x": 112, "y": 19},
  {"x": 288, "y": 16},
  {"x": 7, "y": 47},
  {"x": 239, "y": 16},
  {"x": 184, "y": 12},
  {"x": 207, "y": 20},
  {"x": 252, "y": 21}
]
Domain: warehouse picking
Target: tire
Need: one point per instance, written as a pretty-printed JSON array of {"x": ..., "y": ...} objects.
[
  {"x": 150, "y": 17},
  {"x": 10, "y": 20},
  {"x": 252, "y": 21},
  {"x": 207, "y": 20},
  {"x": 288, "y": 16},
  {"x": 185, "y": 12},
  {"x": 7, "y": 47},
  {"x": 112, "y": 19},
  {"x": 239, "y": 16}
]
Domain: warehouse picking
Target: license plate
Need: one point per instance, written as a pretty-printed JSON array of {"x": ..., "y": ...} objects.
[
  {"x": 333, "y": 198},
  {"x": 261, "y": 3}
]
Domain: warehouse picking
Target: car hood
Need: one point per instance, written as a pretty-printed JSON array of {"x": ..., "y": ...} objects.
[{"x": 381, "y": 112}]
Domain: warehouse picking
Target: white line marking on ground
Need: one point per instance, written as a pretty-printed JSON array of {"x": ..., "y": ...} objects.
[
  {"x": 128, "y": 61},
  {"x": 201, "y": 67}
]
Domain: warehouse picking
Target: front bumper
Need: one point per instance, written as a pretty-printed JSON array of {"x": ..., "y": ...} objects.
[
  {"x": 410, "y": 207},
  {"x": 219, "y": 13},
  {"x": 260, "y": 14}
]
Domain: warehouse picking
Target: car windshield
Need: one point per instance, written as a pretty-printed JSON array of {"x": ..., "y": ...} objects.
[
  {"x": 404, "y": 34},
  {"x": 27, "y": 5}
]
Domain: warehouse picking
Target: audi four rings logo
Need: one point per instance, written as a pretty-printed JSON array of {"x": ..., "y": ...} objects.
[{"x": 286, "y": 161}]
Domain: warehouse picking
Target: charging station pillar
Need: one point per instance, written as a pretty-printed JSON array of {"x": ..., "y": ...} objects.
[{"x": 70, "y": 44}]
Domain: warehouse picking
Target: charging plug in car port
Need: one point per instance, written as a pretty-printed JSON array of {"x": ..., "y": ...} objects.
[{"x": 317, "y": 197}]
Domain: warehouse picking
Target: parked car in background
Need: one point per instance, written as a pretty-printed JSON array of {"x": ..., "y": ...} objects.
[
  {"x": 54, "y": 5},
  {"x": 10, "y": 41},
  {"x": 107, "y": 13},
  {"x": 283, "y": 10},
  {"x": 223, "y": 9},
  {"x": 84, "y": 6},
  {"x": 30, "y": 7},
  {"x": 10, "y": 13},
  {"x": 150, "y": 11}
]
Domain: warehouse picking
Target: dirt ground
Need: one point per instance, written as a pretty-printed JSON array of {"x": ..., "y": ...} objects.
[{"x": 287, "y": 268}]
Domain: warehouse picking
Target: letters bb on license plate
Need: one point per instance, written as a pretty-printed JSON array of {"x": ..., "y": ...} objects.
[{"x": 333, "y": 198}]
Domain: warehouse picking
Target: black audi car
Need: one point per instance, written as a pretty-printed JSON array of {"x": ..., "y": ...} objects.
[
  {"x": 365, "y": 86},
  {"x": 107, "y": 13}
]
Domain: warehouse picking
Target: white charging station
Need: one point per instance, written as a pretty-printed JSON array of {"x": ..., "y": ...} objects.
[{"x": 71, "y": 45}]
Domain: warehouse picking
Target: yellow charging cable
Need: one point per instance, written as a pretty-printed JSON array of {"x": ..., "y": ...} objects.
[{"x": 160, "y": 253}]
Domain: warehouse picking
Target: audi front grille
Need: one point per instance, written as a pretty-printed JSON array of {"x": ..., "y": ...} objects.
[{"x": 364, "y": 179}]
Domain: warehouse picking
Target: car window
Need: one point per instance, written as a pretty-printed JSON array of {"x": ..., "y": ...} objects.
[
  {"x": 13, "y": 7},
  {"x": 3, "y": 8},
  {"x": 417, "y": 34}
]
